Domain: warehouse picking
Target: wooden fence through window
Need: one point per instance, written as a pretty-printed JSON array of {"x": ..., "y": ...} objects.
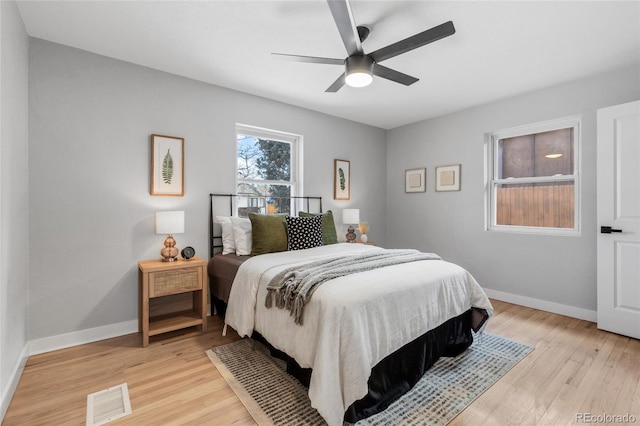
[{"x": 550, "y": 206}]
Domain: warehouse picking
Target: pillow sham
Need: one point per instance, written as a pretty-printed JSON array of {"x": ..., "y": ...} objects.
[
  {"x": 228, "y": 243},
  {"x": 268, "y": 233},
  {"x": 329, "y": 235},
  {"x": 304, "y": 232},
  {"x": 242, "y": 235}
]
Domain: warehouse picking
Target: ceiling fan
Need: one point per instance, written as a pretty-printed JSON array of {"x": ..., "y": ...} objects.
[{"x": 360, "y": 67}]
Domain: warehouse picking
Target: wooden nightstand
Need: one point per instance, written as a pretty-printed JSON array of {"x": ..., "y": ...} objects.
[
  {"x": 369, "y": 243},
  {"x": 159, "y": 281}
]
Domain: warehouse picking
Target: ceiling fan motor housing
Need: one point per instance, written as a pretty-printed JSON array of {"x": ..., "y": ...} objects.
[
  {"x": 359, "y": 64},
  {"x": 358, "y": 70}
]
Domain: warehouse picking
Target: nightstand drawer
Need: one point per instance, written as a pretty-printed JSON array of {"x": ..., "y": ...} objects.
[{"x": 175, "y": 281}]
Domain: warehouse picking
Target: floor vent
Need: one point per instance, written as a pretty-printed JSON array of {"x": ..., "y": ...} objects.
[{"x": 107, "y": 405}]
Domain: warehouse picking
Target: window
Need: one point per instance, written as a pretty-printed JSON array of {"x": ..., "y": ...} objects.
[
  {"x": 534, "y": 178},
  {"x": 268, "y": 170}
]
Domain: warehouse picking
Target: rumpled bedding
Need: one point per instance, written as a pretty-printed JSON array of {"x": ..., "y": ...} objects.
[
  {"x": 351, "y": 322},
  {"x": 292, "y": 288}
]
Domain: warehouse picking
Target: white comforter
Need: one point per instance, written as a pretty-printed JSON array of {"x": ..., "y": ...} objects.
[{"x": 352, "y": 322}]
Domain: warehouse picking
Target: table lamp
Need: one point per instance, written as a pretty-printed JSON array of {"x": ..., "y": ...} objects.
[
  {"x": 169, "y": 223},
  {"x": 351, "y": 217}
]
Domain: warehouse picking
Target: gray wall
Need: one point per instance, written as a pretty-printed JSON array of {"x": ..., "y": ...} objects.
[
  {"x": 91, "y": 215},
  {"x": 550, "y": 268},
  {"x": 76, "y": 214},
  {"x": 14, "y": 273}
]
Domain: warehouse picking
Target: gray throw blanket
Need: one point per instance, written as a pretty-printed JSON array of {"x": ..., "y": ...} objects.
[{"x": 292, "y": 288}]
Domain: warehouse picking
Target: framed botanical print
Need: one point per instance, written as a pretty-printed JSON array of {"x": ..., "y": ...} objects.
[
  {"x": 341, "y": 180},
  {"x": 167, "y": 165}
]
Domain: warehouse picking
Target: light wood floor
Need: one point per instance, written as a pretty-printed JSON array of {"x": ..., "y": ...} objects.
[{"x": 575, "y": 370}]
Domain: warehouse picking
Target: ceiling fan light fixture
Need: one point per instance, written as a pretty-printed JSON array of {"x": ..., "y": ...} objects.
[
  {"x": 359, "y": 71},
  {"x": 358, "y": 79}
]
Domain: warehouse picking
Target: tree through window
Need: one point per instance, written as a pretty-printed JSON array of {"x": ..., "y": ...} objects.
[{"x": 266, "y": 170}]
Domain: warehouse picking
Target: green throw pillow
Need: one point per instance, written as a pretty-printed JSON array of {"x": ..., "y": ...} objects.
[
  {"x": 268, "y": 233},
  {"x": 329, "y": 235}
]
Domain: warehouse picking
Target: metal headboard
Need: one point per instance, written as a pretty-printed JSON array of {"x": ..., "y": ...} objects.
[{"x": 257, "y": 204}]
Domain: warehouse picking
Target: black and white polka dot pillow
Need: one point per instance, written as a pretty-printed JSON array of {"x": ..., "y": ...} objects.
[{"x": 304, "y": 232}]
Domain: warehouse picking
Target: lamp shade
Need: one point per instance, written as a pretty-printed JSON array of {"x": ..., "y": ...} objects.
[
  {"x": 351, "y": 216},
  {"x": 170, "y": 222}
]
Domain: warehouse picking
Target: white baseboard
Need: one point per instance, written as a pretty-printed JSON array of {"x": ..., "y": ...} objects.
[
  {"x": 543, "y": 305},
  {"x": 81, "y": 337},
  {"x": 12, "y": 383},
  {"x": 48, "y": 344}
]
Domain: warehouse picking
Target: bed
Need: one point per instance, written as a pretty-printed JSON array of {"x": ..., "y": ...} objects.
[{"x": 364, "y": 338}]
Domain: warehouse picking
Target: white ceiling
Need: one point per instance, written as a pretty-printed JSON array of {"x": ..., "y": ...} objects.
[{"x": 500, "y": 49}]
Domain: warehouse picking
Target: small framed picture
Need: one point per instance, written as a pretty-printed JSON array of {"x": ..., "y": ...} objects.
[
  {"x": 167, "y": 165},
  {"x": 448, "y": 178},
  {"x": 341, "y": 180},
  {"x": 415, "y": 180}
]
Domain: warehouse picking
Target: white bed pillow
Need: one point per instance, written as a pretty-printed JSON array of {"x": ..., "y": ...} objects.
[
  {"x": 228, "y": 242},
  {"x": 242, "y": 235}
]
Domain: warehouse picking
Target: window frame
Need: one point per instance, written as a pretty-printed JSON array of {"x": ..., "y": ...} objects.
[
  {"x": 492, "y": 181},
  {"x": 295, "y": 182}
]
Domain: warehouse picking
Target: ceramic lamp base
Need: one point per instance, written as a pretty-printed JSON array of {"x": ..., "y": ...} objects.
[
  {"x": 170, "y": 252},
  {"x": 351, "y": 235}
]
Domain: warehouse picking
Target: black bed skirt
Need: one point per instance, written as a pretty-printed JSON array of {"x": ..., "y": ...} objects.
[{"x": 396, "y": 374}]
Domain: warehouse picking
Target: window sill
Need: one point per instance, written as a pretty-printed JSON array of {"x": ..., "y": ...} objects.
[{"x": 534, "y": 230}]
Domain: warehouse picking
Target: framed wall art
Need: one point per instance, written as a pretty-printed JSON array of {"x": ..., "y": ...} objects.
[
  {"x": 341, "y": 180},
  {"x": 167, "y": 165},
  {"x": 448, "y": 178},
  {"x": 415, "y": 180}
]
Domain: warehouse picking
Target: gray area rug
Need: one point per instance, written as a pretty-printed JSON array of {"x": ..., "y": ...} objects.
[{"x": 273, "y": 397}]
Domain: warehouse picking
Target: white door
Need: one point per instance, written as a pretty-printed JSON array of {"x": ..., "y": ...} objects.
[{"x": 619, "y": 219}]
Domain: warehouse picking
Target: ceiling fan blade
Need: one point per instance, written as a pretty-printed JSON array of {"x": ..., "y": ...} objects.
[
  {"x": 336, "y": 84},
  {"x": 393, "y": 75},
  {"x": 413, "y": 42},
  {"x": 312, "y": 59},
  {"x": 343, "y": 16}
]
